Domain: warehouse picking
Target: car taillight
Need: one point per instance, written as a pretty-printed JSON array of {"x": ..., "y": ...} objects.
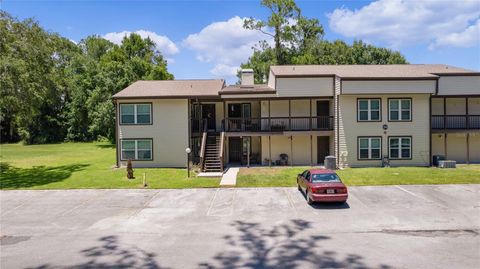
[
  {"x": 317, "y": 190},
  {"x": 342, "y": 190}
]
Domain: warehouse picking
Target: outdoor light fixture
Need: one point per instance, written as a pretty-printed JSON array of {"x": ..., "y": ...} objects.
[{"x": 188, "y": 150}]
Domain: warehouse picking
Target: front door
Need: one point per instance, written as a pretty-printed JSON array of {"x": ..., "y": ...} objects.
[
  {"x": 235, "y": 149},
  {"x": 239, "y": 117},
  {"x": 323, "y": 148},
  {"x": 323, "y": 111},
  {"x": 208, "y": 114}
]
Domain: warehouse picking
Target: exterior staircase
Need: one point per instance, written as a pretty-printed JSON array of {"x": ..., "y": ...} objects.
[{"x": 213, "y": 161}]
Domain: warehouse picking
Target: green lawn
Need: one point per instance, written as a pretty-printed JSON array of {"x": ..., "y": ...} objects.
[
  {"x": 286, "y": 176},
  {"x": 81, "y": 165}
]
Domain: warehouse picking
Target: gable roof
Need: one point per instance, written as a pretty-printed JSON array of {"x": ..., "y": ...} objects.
[
  {"x": 403, "y": 71},
  {"x": 171, "y": 88}
]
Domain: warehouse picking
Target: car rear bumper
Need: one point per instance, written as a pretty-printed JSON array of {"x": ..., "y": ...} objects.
[{"x": 329, "y": 197}]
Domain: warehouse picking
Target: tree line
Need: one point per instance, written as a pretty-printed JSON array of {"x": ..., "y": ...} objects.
[
  {"x": 53, "y": 90},
  {"x": 300, "y": 40}
]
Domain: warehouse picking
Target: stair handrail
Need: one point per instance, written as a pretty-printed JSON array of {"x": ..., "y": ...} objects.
[
  {"x": 220, "y": 154},
  {"x": 203, "y": 145}
]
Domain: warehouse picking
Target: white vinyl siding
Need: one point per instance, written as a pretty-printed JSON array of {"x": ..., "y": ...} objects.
[
  {"x": 136, "y": 149},
  {"x": 400, "y": 148},
  {"x": 135, "y": 113},
  {"x": 399, "y": 109},
  {"x": 369, "y": 110},
  {"x": 369, "y": 148}
]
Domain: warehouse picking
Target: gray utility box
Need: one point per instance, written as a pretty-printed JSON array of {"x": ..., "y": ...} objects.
[
  {"x": 447, "y": 164},
  {"x": 331, "y": 162}
]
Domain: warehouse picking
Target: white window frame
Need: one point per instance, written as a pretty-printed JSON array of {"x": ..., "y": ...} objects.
[
  {"x": 400, "y": 148},
  {"x": 399, "y": 109},
  {"x": 369, "y": 148},
  {"x": 135, "y": 114},
  {"x": 369, "y": 109},
  {"x": 136, "y": 149}
]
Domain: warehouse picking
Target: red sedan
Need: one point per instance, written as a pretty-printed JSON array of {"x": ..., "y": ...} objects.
[{"x": 322, "y": 185}]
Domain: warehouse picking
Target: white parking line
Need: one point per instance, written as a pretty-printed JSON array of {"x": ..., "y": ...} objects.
[{"x": 420, "y": 197}]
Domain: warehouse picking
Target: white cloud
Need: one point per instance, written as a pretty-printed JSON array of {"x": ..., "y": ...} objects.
[
  {"x": 163, "y": 43},
  {"x": 225, "y": 44},
  {"x": 221, "y": 70},
  {"x": 467, "y": 38},
  {"x": 400, "y": 22}
]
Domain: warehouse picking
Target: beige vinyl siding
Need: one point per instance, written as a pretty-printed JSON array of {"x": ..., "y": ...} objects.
[
  {"x": 459, "y": 85},
  {"x": 271, "y": 80},
  {"x": 457, "y": 146},
  {"x": 388, "y": 87},
  {"x": 304, "y": 86},
  {"x": 350, "y": 130},
  {"x": 168, "y": 131},
  {"x": 456, "y": 106},
  {"x": 437, "y": 106},
  {"x": 474, "y": 106},
  {"x": 474, "y": 150},
  {"x": 301, "y": 148}
]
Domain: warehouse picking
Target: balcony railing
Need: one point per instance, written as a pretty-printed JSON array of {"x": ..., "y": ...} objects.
[
  {"x": 278, "y": 124},
  {"x": 466, "y": 122}
]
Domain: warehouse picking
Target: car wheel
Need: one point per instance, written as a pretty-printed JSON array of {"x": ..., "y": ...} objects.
[{"x": 309, "y": 200}]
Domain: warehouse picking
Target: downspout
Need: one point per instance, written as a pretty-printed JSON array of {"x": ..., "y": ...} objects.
[{"x": 117, "y": 144}]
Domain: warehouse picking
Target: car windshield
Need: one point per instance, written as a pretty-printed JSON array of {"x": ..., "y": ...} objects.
[{"x": 316, "y": 178}]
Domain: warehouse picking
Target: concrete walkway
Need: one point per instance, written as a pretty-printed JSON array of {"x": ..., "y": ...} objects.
[{"x": 229, "y": 178}]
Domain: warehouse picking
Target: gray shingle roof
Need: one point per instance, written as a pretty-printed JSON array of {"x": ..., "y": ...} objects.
[{"x": 370, "y": 71}]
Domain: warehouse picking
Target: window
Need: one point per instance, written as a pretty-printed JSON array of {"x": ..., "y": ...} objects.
[
  {"x": 137, "y": 149},
  {"x": 135, "y": 113},
  {"x": 399, "y": 109},
  {"x": 400, "y": 147},
  {"x": 368, "y": 110},
  {"x": 318, "y": 178},
  {"x": 369, "y": 148}
]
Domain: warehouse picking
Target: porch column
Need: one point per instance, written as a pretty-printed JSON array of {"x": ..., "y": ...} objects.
[
  {"x": 269, "y": 120},
  {"x": 225, "y": 116},
  {"x": 445, "y": 146},
  {"x": 310, "y": 118},
  {"x": 291, "y": 150},
  {"x": 269, "y": 150},
  {"x": 289, "y": 115},
  {"x": 468, "y": 148},
  {"x": 311, "y": 150},
  {"x": 466, "y": 114}
]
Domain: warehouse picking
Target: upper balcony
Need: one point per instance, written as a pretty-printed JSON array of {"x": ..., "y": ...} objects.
[
  {"x": 267, "y": 116},
  {"x": 278, "y": 124},
  {"x": 455, "y": 114},
  {"x": 455, "y": 122}
]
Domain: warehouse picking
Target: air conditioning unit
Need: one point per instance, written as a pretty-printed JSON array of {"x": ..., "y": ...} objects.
[{"x": 447, "y": 164}]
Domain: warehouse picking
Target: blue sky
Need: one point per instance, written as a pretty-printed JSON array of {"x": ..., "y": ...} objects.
[{"x": 204, "y": 39}]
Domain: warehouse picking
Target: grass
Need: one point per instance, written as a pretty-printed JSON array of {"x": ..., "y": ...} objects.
[
  {"x": 81, "y": 166},
  {"x": 286, "y": 176}
]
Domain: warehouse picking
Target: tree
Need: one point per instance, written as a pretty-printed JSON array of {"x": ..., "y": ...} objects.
[
  {"x": 299, "y": 40},
  {"x": 53, "y": 89}
]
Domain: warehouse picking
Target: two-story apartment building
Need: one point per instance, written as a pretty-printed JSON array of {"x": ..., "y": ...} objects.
[{"x": 364, "y": 115}]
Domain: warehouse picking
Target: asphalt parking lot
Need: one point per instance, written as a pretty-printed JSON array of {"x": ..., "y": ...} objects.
[{"x": 379, "y": 227}]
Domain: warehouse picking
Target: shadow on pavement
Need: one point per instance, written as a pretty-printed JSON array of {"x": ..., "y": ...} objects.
[
  {"x": 281, "y": 246},
  {"x": 110, "y": 254}
]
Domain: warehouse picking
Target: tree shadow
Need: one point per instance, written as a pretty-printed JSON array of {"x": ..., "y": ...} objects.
[
  {"x": 14, "y": 177},
  {"x": 110, "y": 254},
  {"x": 281, "y": 246}
]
